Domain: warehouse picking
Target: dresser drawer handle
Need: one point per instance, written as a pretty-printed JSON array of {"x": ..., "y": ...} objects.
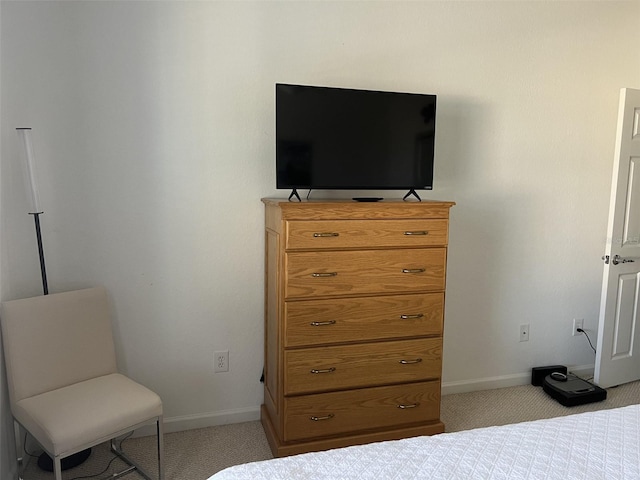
[
  {"x": 410, "y": 362},
  {"x": 325, "y": 234},
  {"x": 328, "y": 274},
  {"x": 322, "y": 324},
  {"x": 419, "y": 232},
  {"x": 326, "y": 370},
  {"x": 413, "y": 270},
  {"x": 411, "y": 317},
  {"x": 411, "y": 405},
  {"x": 326, "y": 417}
]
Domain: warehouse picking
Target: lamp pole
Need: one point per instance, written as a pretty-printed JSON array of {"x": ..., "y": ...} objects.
[
  {"x": 32, "y": 190},
  {"x": 43, "y": 268}
]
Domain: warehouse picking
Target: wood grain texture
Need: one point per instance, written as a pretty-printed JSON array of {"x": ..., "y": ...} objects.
[
  {"x": 351, "y": 210},
  {"x": 357, "y": 410},
  {"x": 344, "y": 320},
  {"x": 363, "y": 365},
  {"x": 365, "y": 234},
  {"x": 354, "y": 312},
  {"x": 363, "y": 272}
]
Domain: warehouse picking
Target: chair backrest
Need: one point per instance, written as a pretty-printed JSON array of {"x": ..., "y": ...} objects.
[{"x": 56, "y": 340}]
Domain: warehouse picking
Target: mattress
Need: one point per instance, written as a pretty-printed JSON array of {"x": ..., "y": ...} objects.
[{"x": 595, "y": 445}]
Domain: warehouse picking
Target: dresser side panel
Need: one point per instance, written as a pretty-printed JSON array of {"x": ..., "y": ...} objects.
[{"x": 273, "y": 344}]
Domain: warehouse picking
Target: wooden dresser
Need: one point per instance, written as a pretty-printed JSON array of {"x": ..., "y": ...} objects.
[{"x": 354, "y": 304}]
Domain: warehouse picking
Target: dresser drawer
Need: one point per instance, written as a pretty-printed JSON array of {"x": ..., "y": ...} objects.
[
  {"x": 340, "y": 367},
  {"x": 337, "y": 320},
  {"x": 365, "y": 234},
  {"x": 334, "y": 413},
  {"x": 328, "y": 273}
]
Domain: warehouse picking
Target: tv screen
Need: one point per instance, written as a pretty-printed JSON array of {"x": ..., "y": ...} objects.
[{"x": 338, "y": 138}]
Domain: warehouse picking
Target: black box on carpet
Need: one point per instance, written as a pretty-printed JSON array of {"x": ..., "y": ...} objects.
[
  {"x": 571, "y": 390},
  {"x": 538, "y": 373}
]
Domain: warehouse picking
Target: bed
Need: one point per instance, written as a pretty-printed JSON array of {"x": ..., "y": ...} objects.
[{"x": 595, "y": 445}]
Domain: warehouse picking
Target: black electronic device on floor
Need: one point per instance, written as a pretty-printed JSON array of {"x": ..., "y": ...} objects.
[
  {"x": 539, "y": 373},
  {"x": 570, "y": 390}
]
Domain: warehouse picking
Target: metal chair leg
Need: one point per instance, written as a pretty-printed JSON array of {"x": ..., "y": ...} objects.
[
  {"x": 19, "y": 449},
  {"x": 160, "y": 433},
  {"x": 57, "y": 467},
  {"x": 133, "y": 464}
]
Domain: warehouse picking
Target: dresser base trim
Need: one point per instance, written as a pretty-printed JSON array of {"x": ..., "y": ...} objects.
[{"x": 280, "y": 449}]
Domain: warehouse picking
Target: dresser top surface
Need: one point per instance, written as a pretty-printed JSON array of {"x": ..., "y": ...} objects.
[
  {"x": 347, "y": 201},
  {"x": 351, "y": 209}
]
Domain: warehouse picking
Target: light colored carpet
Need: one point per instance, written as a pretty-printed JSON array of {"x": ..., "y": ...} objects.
[{"x": 198, "y": 454}]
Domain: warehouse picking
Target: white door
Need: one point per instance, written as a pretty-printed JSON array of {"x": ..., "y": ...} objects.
[{"x": 618, "y": 350}]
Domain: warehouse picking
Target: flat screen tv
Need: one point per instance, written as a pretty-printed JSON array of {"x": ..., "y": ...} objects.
[{"x": 339, "y": 138}]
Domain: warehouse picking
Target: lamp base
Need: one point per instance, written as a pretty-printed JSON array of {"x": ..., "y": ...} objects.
[{"x": 45, "y": 462}]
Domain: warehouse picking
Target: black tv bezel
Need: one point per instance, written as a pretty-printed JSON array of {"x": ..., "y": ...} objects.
[{"x": 282, "y": 186}]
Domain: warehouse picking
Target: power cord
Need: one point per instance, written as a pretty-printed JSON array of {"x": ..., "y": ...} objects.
[
  {"x": 84, "y": 476},
  {"x": 108, "y": 464},
  {"x": 99, "y": 473},
  {"x": 24, "y": 448},
  {"x": 588, "y": 339}
]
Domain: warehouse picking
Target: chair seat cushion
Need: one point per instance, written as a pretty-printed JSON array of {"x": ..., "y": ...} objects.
[{"x": 72, "y": 418}]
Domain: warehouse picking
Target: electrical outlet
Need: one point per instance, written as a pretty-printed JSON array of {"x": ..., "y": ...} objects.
[
  {"x": 221, "y": 361},
  {"x": 578, "y": 323},
  {"x": 524, "y": 332}
]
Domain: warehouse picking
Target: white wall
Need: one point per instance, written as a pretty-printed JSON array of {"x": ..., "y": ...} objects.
[{"x": 153, "y": 126}]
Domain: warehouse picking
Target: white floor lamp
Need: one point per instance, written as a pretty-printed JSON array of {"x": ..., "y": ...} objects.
[{"x": 44, "y": 461}]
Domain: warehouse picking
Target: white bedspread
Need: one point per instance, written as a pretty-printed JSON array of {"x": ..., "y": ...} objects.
[{"x": 596, "y": 445}]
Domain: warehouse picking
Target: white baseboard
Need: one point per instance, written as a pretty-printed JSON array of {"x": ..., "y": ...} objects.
[
  {"x": 250, "y": 414},
  {"x": 488, "y": 383},
  {"x": 203, "y": 420},
  {"x": 503, "y": 381},
  {"x": 583, "y": 371}
]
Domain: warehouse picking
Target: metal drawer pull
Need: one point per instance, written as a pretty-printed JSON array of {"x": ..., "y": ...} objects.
[
  {"x": 411, "y": 317},
  {"x": 413, "y": 270},
  {"x": 420, "y": 232},
  {"x": 322, "y": 324},
  {"x": 326, "y": 370},
  {"x": 326, "y": 234},
  {"x": 328, "y": 274},
  {"x": 411, "y": 405},
  {"x": 317, "y": 419},
  {"x": 409, "y": 362}
]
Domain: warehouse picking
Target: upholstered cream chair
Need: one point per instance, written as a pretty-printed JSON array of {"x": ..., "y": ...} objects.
[{"x": 64, "y": 387}]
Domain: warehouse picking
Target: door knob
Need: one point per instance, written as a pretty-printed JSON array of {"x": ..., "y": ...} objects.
[{"x": 617, "y": 259}]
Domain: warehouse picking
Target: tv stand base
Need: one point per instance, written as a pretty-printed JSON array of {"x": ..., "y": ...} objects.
[
  {"x": 412, "y": 192},
  {"x": 294, "y": 193},
  {"x": 367, "y": 199}
]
